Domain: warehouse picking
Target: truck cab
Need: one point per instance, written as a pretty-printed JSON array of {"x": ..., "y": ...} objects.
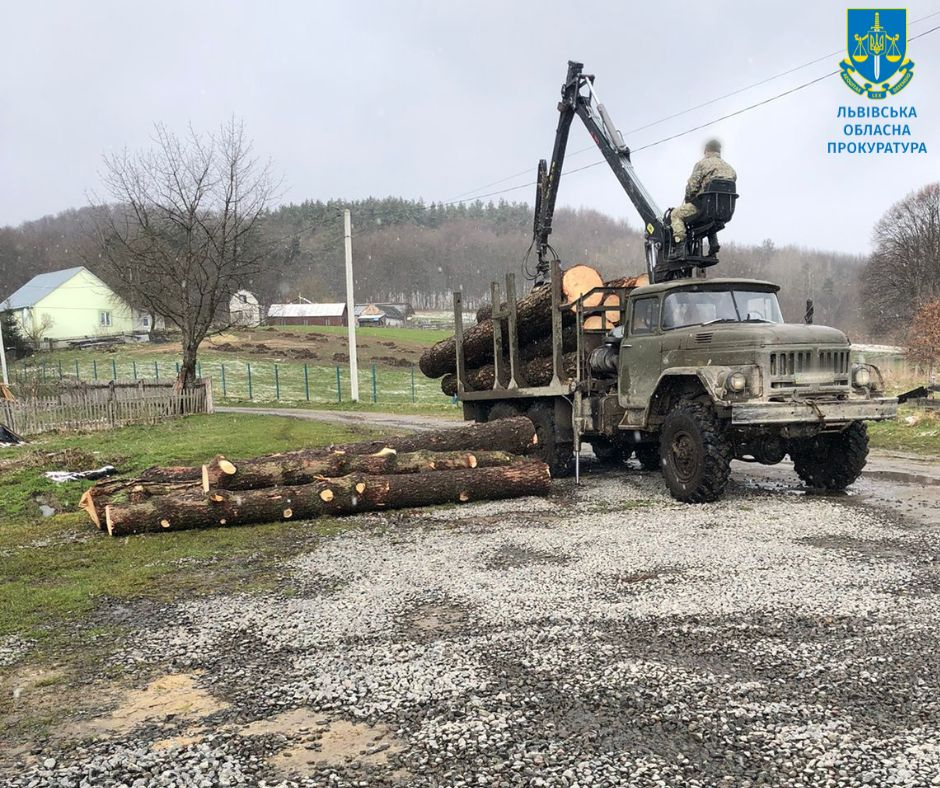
[{"x": 747, "y": 385}]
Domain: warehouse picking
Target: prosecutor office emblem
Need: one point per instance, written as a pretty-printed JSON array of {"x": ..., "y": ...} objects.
[{"x": 877, "y": 64}]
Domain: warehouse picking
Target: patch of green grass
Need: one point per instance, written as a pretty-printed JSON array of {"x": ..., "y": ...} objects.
[
  {"x": 55, "y": 569},
  {"x": 914, "y": 430},
  {"x": 249, "y": 377}
]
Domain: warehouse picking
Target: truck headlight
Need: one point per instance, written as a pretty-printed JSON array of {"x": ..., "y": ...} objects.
[
  {"x": 736, "y": 382},
  {"x": 861, "y": 377}
]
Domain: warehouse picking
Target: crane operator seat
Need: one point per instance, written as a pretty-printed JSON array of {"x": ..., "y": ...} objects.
[{"x": 715, "y": 205}]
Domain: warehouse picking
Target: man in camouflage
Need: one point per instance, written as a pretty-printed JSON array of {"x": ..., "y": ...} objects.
[{"x": 710, "y": 167}]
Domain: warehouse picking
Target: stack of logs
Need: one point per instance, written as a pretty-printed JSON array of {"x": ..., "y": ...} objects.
[
  {"x": 470, "y": 463},
  {"x": 533, "y": 326}
]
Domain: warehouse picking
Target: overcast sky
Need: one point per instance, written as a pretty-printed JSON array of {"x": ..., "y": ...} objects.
[{"x": 434, "y": 99}]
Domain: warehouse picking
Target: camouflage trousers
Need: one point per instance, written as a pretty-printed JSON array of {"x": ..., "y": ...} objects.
[{"x": 679, "y": 216}]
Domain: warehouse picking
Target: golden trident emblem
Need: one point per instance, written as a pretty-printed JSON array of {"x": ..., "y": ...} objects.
[{"x": 873, "y": 43}]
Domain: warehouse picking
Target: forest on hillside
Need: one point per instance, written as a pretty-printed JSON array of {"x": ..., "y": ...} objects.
[{"x": 406, "y": 250}]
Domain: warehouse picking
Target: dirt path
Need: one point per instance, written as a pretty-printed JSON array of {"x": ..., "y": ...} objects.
[
  {"x": 904, "y": 484},
  {"x": 394, "y": 421}
]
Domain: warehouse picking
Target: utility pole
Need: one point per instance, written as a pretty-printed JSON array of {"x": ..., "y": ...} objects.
[
  {"x": 3, "y": 357},
  {"x": 351, "y": 311}
]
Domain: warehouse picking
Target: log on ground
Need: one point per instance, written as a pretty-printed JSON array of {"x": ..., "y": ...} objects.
[
  {"x": 96, "y": 498},
  {"x": 257, "y": 474},
  {"x": 514, "y": 436},
  {"x": 344, "y": 495}
]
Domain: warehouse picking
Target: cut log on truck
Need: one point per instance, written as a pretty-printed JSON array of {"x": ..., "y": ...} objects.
[
  {"x": 538, "y": 372},
  {"x": 533, "y": 319},
  {"x": 221, "y": 474},
  {"x": 344, "y": 495}
]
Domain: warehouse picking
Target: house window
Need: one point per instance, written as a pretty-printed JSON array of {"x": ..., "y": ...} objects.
[
  {"x": 145, "y": 321},
  {"x": 243, "y": 299},
  {"x": 104, "y": 319}
]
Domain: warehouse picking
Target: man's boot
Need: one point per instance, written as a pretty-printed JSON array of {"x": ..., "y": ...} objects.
[
  {"x": 713, "y": 245},
  {"x": 677, "y": 252}
]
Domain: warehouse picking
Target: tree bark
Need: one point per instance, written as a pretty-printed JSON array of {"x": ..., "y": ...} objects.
[
  {"x": 534, "y": 318},
  {"x": 538, "y": 372},
  {"x": 171, "y": 473},
  {"x": 96, "y": 498},
  {"x": 257, "y": 474},
  {"x": 534, "y": 328},
  {"x": 515, "y": 436},
  {"x": 345, "y": 495},
  {"x": 186, "y": 379}
]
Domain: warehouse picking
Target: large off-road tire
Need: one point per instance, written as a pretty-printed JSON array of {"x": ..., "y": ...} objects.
[
  {"x": 648, "y": 455},
  {"x": 550, "y": 448},
  {"x": 695, "y": 454},
  {"x": 832, "y": 460}
]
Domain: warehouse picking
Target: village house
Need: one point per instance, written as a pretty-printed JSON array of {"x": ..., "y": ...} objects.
[
  {"x": 307, "y": 314},
  {"x": 71, "y": 306},
  {"x": 244, "y": 309}
]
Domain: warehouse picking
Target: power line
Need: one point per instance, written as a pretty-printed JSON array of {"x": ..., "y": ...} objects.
[
  {"x": 470, "y": 194},
  {"x": 671, "y": 137}
]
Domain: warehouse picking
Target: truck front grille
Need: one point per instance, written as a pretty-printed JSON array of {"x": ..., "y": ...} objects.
[{"x": 795, "y": 361}]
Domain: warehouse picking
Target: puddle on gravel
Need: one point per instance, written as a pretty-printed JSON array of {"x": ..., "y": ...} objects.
[
  {"x": 868, "y": 548},
  {"x": 288, "y": 723},
  {"x": 437, "y": 618},
  {"x": 913, "y": 492},
  {"x": 511, "y": 556},
  {"x": 330, "y": 743},
  {"x": 173, "y": 697}
]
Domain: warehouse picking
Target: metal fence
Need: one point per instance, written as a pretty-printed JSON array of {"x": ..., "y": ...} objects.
[
  {"x": 237, "y": 378},
  {"x": 100, "y": 406}
]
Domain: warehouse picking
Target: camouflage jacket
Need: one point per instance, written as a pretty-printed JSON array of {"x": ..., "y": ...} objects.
[{"x": 712, "y": 166}]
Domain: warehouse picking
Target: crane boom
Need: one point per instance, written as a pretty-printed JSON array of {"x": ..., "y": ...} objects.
[{"x": 578, "y": 97}]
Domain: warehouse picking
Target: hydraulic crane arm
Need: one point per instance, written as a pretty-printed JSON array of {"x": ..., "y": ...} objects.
[{"x": 579, "y": 98}]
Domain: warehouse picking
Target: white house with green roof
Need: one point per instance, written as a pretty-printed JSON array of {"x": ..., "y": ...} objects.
[{"x": 73, "y": 304}]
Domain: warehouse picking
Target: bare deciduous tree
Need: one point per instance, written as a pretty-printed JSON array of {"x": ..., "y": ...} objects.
[
  {"x": 904, "y": 271},
  {"x": 36, "y": 328},
  {"x": 924, "y": 337},
  {"x": 181, "y": 234}
]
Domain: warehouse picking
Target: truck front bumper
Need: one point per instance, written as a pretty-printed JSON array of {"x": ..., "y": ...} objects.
[{"x": 815, "y": 412}]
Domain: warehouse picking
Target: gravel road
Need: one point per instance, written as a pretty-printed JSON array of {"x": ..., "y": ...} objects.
[{"x": 604, "y": 636}]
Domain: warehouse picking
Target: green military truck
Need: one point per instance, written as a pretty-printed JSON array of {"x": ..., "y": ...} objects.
[{"x": 697, "y": 371}]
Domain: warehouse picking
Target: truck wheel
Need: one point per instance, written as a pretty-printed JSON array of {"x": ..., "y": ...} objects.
[
  {"x": 833, "y": 460},
  {"x": 648, "y": 455},
  {"x": 695, "y": 456},
  {"x": 550, "y": 449},
  {"x": 503, "y": 410}
]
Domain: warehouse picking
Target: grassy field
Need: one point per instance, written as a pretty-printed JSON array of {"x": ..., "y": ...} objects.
[
  {"x": 297, "y": 365},
  {"x": 914, "y": 431},
  {"x": 55, "y": 569}
]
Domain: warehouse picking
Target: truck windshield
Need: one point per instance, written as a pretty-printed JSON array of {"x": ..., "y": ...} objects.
[{"x": 700, "y": 307}]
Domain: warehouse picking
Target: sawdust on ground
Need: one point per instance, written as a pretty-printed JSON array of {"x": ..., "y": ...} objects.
[
  {"x": 325, "y": 741},
  {"x": 172, "y": 697}
]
